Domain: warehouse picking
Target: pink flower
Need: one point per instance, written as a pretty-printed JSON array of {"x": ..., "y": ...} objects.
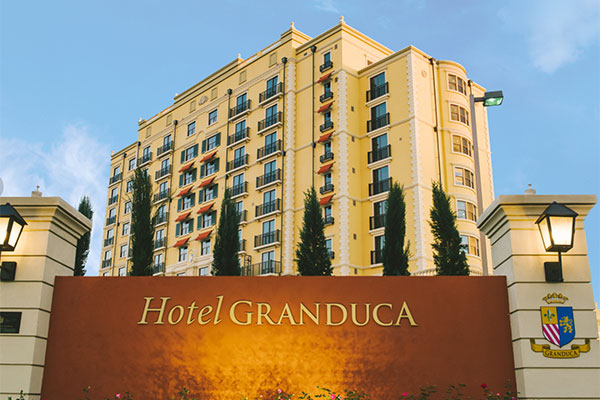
[
  {"x": 279, "y": 390},
  {"x": 118, "y": 395},
  {"x": 483, "y": 386},
  {"x": 498, "y": 394},
  {"x": 404, "y": 394},
  {"x": 333, "y": 397}
]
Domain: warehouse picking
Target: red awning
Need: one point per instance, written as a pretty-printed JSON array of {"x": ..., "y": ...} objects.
[
  {"x": 208, "y": 156},
  {"x": 325, "y": 137},
  {"x": 325, "y": 200},
  {"x": 325, "y": 168},
  {"x": 185, "y": 191},
  {"x": 186, "y": 167},
  {"x": 182, "y": 242},
  {"x": 325, "y": 107},
  {"x": 207, "y": 182},
  {"x": 183, "y": 217},
  {"x": 324, "y": 78},
  {"x": 205, "y": 208},
  {"x": 204, "y": 235}
]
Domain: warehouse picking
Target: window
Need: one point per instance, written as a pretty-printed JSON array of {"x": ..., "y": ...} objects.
[
  {"x": 327, "y": 179},
  {"x": 211, "y": 192},
  {"x": 189, "y": 153},
  {"x": 212, "y": 117},
  {"x": 381, "y": 174},
  {"x": 167, "y": 140},
  {"x": 164, "y": 165},
  {"x": 461, "y": 144},
  {"x": 158, "y": 260},
  {"x": 131, "y": 164},
  {"x": 466, "y": 210},
  {"x": 377, "y": 81},
  {"x": 105, "y": 274},
  {"x": 463, "y": 177},
  {"x": 240, "y": 127},
  {"x": 146, "y": 152},
  {"x": 184, "y": 227},
  {"x": 240, "y": 102},
  {"x": 191, "y": 128},
  {"x": 126, "y": 228},
  {"x": 117, "y": 170},
  {"x": 379, "y": 142},
  {"x": 329, "y": 247},
  {"x": 129, "y": 186},
  {"x": 123, "y": 251},
  {"x": 122, "y": 271},
  {"x": 459, "y": 114},
  {"x": 127, "y": 207},
  {"x": 271, "y": 115},
  {"x": 210, "y": 167},
  {"x": 327, "y": 147},
  {"x": 189, "y": 177},
  {"x": 107, "y": 255},
  {"x": 268, "y": 227},
  {"x": 211, "y": 142},
  {"x": 378, "y": 112},
  {"x": 327, "y": 213},
  {"x": 470, "y": 245},
  {"x": 269, "y": 196},
  {"x": 270, "y": 170},
  {"x": 114, "y": 192},
  {"x": 239, "y": 153},
  {"x": 268, "y": 262},
  {"x": 183, "y": 251},
  {"x": 271, "y": 86},
  {"x": 110, "y": 234},
  {"x": 163, "y": 187},
  {"x": 160, "y": 236},
  {"x": 112, "y": 213},
  {"x": 239, "y": 206},
  {"x": 205, "y": 247},
  {"x": 327, "y": 87},
  {"x": 188, "y": 201},
  {"x": 377, "y": 255},
  {"x": 327, "y": 117},
  {"x": 327, "y": 57},
  {"x": 456, "y": 83},
  {"x": 180, "y": 273},
  {"x": 204, "y": 271},
  {"x": 208, "y": 220},
  {"x": 380, "y": 208},
  {"x": 270, "y": 142},
  {"x": 161, "y": 211}
]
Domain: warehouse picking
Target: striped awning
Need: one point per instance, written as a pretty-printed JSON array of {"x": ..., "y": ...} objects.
[
  {"x": 182, "y": 242},
  {"x": 207, "y": 182},
  {"x": 183, "y": 217},
  {"x": 206, "y": 208},
  {"x": 186, "y": 167},
  {"x": 208, "y": 156},
  {"x": 204, "y": 235},
  {"x": 324, "y": 78},
  {"x": 325, "y": 137},
  {"x": 325, "y": 107},
  {"x": 325, "y": 200},
  {"x": 185, "y": 191},
  {"x": 325, "y": 168}
]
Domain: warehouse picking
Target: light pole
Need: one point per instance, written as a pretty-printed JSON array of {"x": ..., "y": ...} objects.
[
  {"x": 489, "y": 99},
  {"x": 11, "y": 227}
]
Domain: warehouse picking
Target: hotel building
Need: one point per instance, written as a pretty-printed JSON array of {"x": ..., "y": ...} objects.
[{"x": 339, "y": 111}]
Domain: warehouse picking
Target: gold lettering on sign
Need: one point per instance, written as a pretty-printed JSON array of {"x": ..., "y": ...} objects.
[
  {"x": 204, "y": 311},
  {"x": 260, "y": 314},
  {"x": 376, "y": 314},
  {"x": 191, "y": 308},
  {"x": 305, "y": 311},
  {"x": 355, "y": 319},
  {"x": 179, "y": 317},
  {"x": 218, "y": 312},
  {"x": 405, "y": 313},
  {"x": 234, "y": 319},
  {"x": 329, "y": 314},
  {"x": 287, "y": 313},
  {"x": 160, "y": 311}
]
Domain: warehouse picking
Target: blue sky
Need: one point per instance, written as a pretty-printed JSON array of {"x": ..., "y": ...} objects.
[{"x": 75, "y": 76}]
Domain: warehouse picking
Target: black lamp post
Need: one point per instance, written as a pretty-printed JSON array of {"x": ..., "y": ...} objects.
[
  {"x": 11, "y": 227},
  {"x": 557, "y": 228}
]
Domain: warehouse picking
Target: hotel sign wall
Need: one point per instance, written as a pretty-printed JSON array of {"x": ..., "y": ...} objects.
[{"x": 231, "y": 337}]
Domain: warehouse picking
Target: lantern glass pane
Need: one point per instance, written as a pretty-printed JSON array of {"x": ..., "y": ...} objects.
[
  {"x": 545, "y": 232},
  {"x": 3, "y": 229},
  {"x": 14, "y": 234},
  {"x": 562, "y": 230}
]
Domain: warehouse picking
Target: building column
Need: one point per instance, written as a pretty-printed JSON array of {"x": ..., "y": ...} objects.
[
  {"x": 543, "y": 370},
  {"x": 46, "y": 249},
  {"x": 290, "y": 168}
]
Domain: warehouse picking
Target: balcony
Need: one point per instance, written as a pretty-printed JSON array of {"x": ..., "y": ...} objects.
[
  {"x": 242, "y": 245},
  {"x": 379, "y": 154},
  {"x": 269, "y": 122},
  {"x": 239, "y": 109},
  {"x": 109, "y": 241},
  {"x": 106, "y": 263},
  {"x": 377, "y": 91},
  {"x": 239, "y": 189},
  {"x": 113, "y": 200},
  {"x": 270, "y": 93},
  {"x": 268, "y": 178},
  {"x": 328, "y": 220},
  {"x": 326, "y": 126},
  {"x": 326, "y": 65},
  {"x": 116, "y": 178},
  {"x": 238, "y": 136},
  {"x": 268, "y": 208},
  {"x": 237, "y": 163},
  {"x": 380, "y": 186},
  {"x": 244, "y": 216},
  {"x": 326, "y": 156},
  {"x": 326, "y": 188},
  {"x": 158, "y": 268},
  {"x": 331, "y": 254},
  {"x": 144, "y": 159},
  {"x": 158, "y": 243},
  {"x": 267, "y": 238},
  {"x": 326, "y": 96},
  {"x": 164, "y": 149},
  {"x": 160, "y": 196},
  {"x": 160, "y": 219},
  {"x": 376, "y": 221},
  {"x": 378, "y": 122},
  {"x": 161, "y": 173},
  {"x": 376, "y": 256},
  {"x": 111, "y": 220},
  {"x": 270, "y": 267},
  {"x": 269, "y": 149}
]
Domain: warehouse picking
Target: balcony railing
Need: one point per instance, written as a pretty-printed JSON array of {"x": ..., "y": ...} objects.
[
  {"x": 237, "y": 163},
  {"x": 113, "y": 200},
  {"x": 376, "y": 256},
  {"x": 326, "y": 126},
  {"x": 328, "y": 220},
  {"x": 161, "y": 196},
  {"x": 106, "y": 263},
  {"x": 377, "y": 91},
  {"x": 326, "y": 65},
  {"x": 331, "y": 254},
  {"x": 240, "y": 108},
  {"x": 244, "y": 216},
  {"x": 270, "y": 92},
  {"x": 268, "y": 149},
  {"x": 268, "y": 207},
  {"x": 165, "y": 148},
  {"x": 269, "y": 177},
  {"x": 158, "y": 243},
  {"x": 326, "y": 96},
  {"x": 270, "y": 121},
  {"x": 160, "y": 219},
  {"x": 326, "y": 188},
  {"x": 144, "y": 159},
  {"x": 238, "y": 136},
  {"x": 326, "y": 156},
  {"x": 111, "y": 220},
  {"x": 267, "y": 238},
  {"x": 262, "y": 268},
  {"x": 379, "y": 154},
  {"x": 243, "y": 245},
  {"x": 161, "y": 173},
  {"x": 380, "y": 186},
  {"x": 115, "y": 178},
  {"x": 158, "y": 268},
  {"x": 377, "y": 221},
  {"x": 378, "y": 122},
  {"x": 109, "y": 241},
  {"x": 239, "y": 189}
]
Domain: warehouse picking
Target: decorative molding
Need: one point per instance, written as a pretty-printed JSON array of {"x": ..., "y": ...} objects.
[
  {"x": 290, "y": 167},
  {"x": 343, "y": 176}
]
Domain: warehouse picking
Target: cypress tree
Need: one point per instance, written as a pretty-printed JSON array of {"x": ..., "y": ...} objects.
[
  {"x": 227, "y": 242},
  {"x": 142, "y": 230},
  {"x": 448, "y": 253},
  {"x": 395, "y": 254},
  {"x": 83, "y": 244},
  {"x": 312, "y": 256}
]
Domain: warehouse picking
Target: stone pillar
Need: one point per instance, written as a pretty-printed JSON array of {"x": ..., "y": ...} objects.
[
  {"x": 571, "y": 369},
  {"x": 46, "y": 249}
]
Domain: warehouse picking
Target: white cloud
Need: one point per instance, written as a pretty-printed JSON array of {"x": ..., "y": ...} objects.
[
  {"x": 556, "y": 31},
  {"x": 326, "y": 5},
  {"x": 76, "y": 165}
]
